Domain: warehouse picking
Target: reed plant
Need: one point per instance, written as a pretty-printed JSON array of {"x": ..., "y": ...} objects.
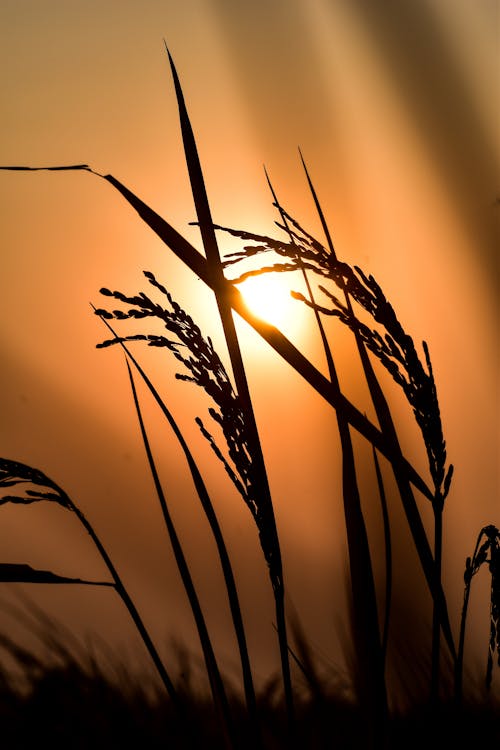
[
  {"x": 395, "y": 349},
  {"x": 486, "y": 553},
  {"x": 22, "y": 484},
  {"x": 354, "y": 298}
]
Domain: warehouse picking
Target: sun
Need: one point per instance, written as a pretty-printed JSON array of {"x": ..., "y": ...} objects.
[{"x": 268, "y": 296}]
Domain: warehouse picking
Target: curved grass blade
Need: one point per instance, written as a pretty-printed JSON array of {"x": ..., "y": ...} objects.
[
  {"x": 215, "y": 679},
  {"x": 431, "y": 565},
  {"x": 388, "y": 555},
  {"x": 366, "y": 624},
  {"x": 14, "y": 473},
  {"x": 22, "y": 573},
  {"x": 488, "y": 541},
  {"x": 208, "y": 508},
  {"x": 218, "y": 285},
  {"x": 198, "y": 264}
]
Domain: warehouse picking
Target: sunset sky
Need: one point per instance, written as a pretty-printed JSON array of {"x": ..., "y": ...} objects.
[{"x": 395, "y": 108}]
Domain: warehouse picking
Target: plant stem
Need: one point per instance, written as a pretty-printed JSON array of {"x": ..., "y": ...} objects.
[
  {"x": 459, "y": 664},
  {"x": 219, "y": 540},
  {"x": 431, "y": 567},
  {"x": 366, "y": 628},
  {"x": 219, "y": 286},
  {"x": 213, "y": 672},
  {"x": 122, "y": 592},
  {"x": 388, "y": 556},
  {"x": 436, "y": 613},
  {"x": 469, "y": 572}
]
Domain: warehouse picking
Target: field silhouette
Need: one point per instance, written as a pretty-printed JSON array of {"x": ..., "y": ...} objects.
[{"x": 78, "y": 705}]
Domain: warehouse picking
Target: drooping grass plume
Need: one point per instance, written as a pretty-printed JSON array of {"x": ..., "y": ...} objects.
[
  {"x": 486, "y": 552},
  {"x": 275, "y": 338},
  {"x": 371, "y": 686},
  {"x": 18, "y": 477},
  {"x": 396, "y": 351},
  {"x": 206, "y": 370},
  {"x": 21, "y": 477},
  {"x": 208, "y": 508},
  {"x": 216, "y": 273}
]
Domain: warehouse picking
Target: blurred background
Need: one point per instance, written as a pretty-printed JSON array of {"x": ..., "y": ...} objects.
[{"x": 395, "y": 108}]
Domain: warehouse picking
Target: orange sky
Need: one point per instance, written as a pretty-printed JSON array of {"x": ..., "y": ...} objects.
[{"x": 396, "y": 114}]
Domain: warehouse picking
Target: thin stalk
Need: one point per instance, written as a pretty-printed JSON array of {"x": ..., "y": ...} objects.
[
  {"x": 224, "y": 305},
  {"x": 216, "y": 684},
  {"x": 366, "y": 624},
  {"x": 436, "y": 614},
  {"x": 459, "y": 663},
  {"x": 382, "y": 410},
  {"x": 388, "y": 556},
  {"x": 305, "y": 277},
  {"x": 122, "y": 592},
  {"x": 200, "y": 267},
  {"x": 227, "y": 570},
  {"x": 15, "y": 473}
]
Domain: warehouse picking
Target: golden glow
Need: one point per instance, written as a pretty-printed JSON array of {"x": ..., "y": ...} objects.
[
  {"x": 268, "y": 296},
  {"x": 403, "y": 199}
]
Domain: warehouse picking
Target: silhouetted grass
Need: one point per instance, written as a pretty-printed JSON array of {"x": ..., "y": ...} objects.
[
  {"x": 486, "y": 552},
  {"x": 365, "y": 614},
  {"x": 396, "y": 351},
  {"x": 22, "y": 479},
  {"x": 313, "y": 715},
  {"x": 209, "y": 511},
  {"x": 75, "y": 703}
]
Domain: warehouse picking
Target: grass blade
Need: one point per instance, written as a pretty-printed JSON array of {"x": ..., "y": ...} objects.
[
  {"x": 430, "y": 565},
  {"x": 208, "y": 508},
  {"x": 22, "y": 573},
  {"x": 366, "y": 626},
  {"x": 216, "y": 684},
  {"x": 388, "y": 555},
  {"x": 198, "y": 264},
  {"x": 13, "y": 473},
  {"x": 64, "y": 167},
  {"x": 225, "y": 311}
]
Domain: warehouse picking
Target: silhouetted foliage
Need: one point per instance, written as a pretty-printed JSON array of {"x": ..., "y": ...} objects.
[{"x": 70, "y": 706}]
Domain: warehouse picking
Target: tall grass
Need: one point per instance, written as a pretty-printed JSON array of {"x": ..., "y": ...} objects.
[
  {"x": 210, "y": 514},
  {"x": 233, "y": 436},
  {"x": 486, "y": 552},
  {"x": 395, "y": 349},
  {"x": 31, "y": 485}
]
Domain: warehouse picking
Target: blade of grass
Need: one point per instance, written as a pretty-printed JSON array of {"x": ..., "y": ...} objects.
[
  {"x": 388, "y": 555},
  {"x": 22, "y": 573},
  {"x": 218, "y": 285},
  {"x": 13, "y": 473},
  {"x": 208, "y": 508},
  {"x": 431, "y": 566},
  {"x": 490, "y": 538},
  {"x": 215, "y": 679},
  {"x": 199, "y": 265},
  {"x": 366, "y": 624},
  {"x": 125, "y": 597}
]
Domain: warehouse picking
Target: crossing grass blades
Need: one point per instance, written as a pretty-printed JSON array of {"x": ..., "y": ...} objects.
[{"x": 284, "y": 714}]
